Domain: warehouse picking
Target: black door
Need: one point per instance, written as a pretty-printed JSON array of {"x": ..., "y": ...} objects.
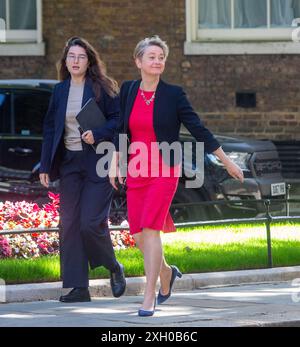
[{"x": 5, "y": 126}]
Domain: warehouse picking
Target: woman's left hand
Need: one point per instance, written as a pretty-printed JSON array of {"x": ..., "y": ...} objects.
[
  {"x": 88, "y": 137},
  {"x": 234, "y": 170}
]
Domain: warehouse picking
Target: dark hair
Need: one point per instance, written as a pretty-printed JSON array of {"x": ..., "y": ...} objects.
[{"x": 96, "y": 70}]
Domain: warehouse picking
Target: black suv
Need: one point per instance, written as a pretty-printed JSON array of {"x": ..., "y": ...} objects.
[{"x": 23, "y": 104}]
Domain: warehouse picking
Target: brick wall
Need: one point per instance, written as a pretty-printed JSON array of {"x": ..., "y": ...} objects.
[{"x": 114, "y": 27}]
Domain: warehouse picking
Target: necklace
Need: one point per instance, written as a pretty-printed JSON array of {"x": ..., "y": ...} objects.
[{"x": 147, "y": 101}]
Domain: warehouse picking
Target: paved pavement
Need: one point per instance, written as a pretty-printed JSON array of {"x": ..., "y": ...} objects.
[
  {"x": 268, "y": 297},
  {"x": 231, "y": 306}
]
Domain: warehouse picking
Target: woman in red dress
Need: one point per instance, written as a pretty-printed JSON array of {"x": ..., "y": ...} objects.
[{"x": 151, "y": 113}]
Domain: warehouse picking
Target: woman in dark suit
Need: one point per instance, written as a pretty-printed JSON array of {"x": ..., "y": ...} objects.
[
  {"x": 151, "y": 113},
  {"x": 85, "y": 198}
]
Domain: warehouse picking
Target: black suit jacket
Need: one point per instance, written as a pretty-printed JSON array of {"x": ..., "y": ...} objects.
[
  {"x": 54, "y": 124},
  {"x": 171, "y": 108}
]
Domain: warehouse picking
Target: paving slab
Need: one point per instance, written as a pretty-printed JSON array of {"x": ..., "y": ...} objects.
[{"x": 256, "y": 304}]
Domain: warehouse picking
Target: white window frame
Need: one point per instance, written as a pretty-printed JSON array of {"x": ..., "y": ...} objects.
[
  {"x": 236, "y": 41},
  {"x": 24, "y": 42}
]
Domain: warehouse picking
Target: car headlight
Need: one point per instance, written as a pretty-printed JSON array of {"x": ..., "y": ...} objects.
[{"x": 239, "y": 158}]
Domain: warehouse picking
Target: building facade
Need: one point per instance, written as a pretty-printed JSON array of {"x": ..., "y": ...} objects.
[{"x": 235, "y": 58}]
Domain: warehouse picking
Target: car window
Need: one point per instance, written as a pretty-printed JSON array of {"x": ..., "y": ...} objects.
[
  {"x": 5, "y": 113},
  {"x": 29, "y": 110}
]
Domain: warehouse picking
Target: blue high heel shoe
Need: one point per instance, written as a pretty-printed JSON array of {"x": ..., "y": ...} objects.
[
  {"x": 175, "y": 273},
  {"x": 145, "y": 313}
]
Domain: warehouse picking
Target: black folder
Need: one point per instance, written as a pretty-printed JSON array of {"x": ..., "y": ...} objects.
[{"x": 90, "y": 117}]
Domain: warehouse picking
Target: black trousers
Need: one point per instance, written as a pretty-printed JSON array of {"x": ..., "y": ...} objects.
[{"x": 85, "y": 201}]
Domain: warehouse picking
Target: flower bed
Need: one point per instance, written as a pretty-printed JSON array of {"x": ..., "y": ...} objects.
[{"x": 24, "y": 215}]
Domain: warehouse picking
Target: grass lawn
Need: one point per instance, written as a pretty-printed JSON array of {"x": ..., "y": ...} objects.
[{"x": 221, "y": 248}]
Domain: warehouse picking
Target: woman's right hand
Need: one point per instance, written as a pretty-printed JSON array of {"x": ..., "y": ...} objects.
[
  {"x": 115, "y": 172},
  {"x": 44, "y": 179},
  {"x": 113, "y": 179}
]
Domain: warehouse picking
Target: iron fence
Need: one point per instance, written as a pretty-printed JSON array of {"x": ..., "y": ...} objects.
[{"x": 267, "y": 219}]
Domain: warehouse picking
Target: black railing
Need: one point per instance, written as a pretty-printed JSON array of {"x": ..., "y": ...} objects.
[{"x": 268, "y": 219}]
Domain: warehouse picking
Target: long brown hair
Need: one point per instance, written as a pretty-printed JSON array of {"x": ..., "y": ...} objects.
[{"x": 96, "y": 70}]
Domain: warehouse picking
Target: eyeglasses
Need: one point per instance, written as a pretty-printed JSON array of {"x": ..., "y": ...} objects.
[{"x": 80, "y": 57}]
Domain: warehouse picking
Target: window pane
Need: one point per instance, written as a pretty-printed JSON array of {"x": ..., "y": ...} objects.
[
  {"x": 214, "y": 14},
  {"x": 2, "y": 9},
  {"x": 250, "y": 13},
  {"x": 283, "y": 12},
  {"x": 22, "y": 14},
  {"x": 4, "y": 113},
  {"x": 30, "y": 109}
]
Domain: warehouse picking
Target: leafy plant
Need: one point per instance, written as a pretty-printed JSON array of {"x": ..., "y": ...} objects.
[{"x": 24, "y": 215}]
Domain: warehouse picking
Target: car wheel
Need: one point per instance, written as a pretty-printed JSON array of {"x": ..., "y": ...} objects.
[
  {"x": 118, "y": 211},
  {"x": 40, "y": 201},
  {"x": 191, "y": 213}
]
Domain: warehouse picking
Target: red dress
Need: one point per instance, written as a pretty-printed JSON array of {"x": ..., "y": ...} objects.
[{"x": 149, "y": 193}]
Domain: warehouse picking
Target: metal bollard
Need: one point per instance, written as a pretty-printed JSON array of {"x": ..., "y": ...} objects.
[
  {"x": 268, "y": 227},
  {"x": 287, "y": 197}
]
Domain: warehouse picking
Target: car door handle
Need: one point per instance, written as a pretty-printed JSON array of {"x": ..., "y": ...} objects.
[{"x": 20, "y": 150}]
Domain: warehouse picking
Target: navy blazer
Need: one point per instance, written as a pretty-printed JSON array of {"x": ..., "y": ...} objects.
[
  {"x": 171, "y": 108},
  {"x": 54, "y": 124}
]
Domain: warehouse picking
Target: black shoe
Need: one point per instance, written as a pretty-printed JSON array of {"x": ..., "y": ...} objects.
[
  {"x": 118, "y": 282},
  {"x": 76, "y": 295}
]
